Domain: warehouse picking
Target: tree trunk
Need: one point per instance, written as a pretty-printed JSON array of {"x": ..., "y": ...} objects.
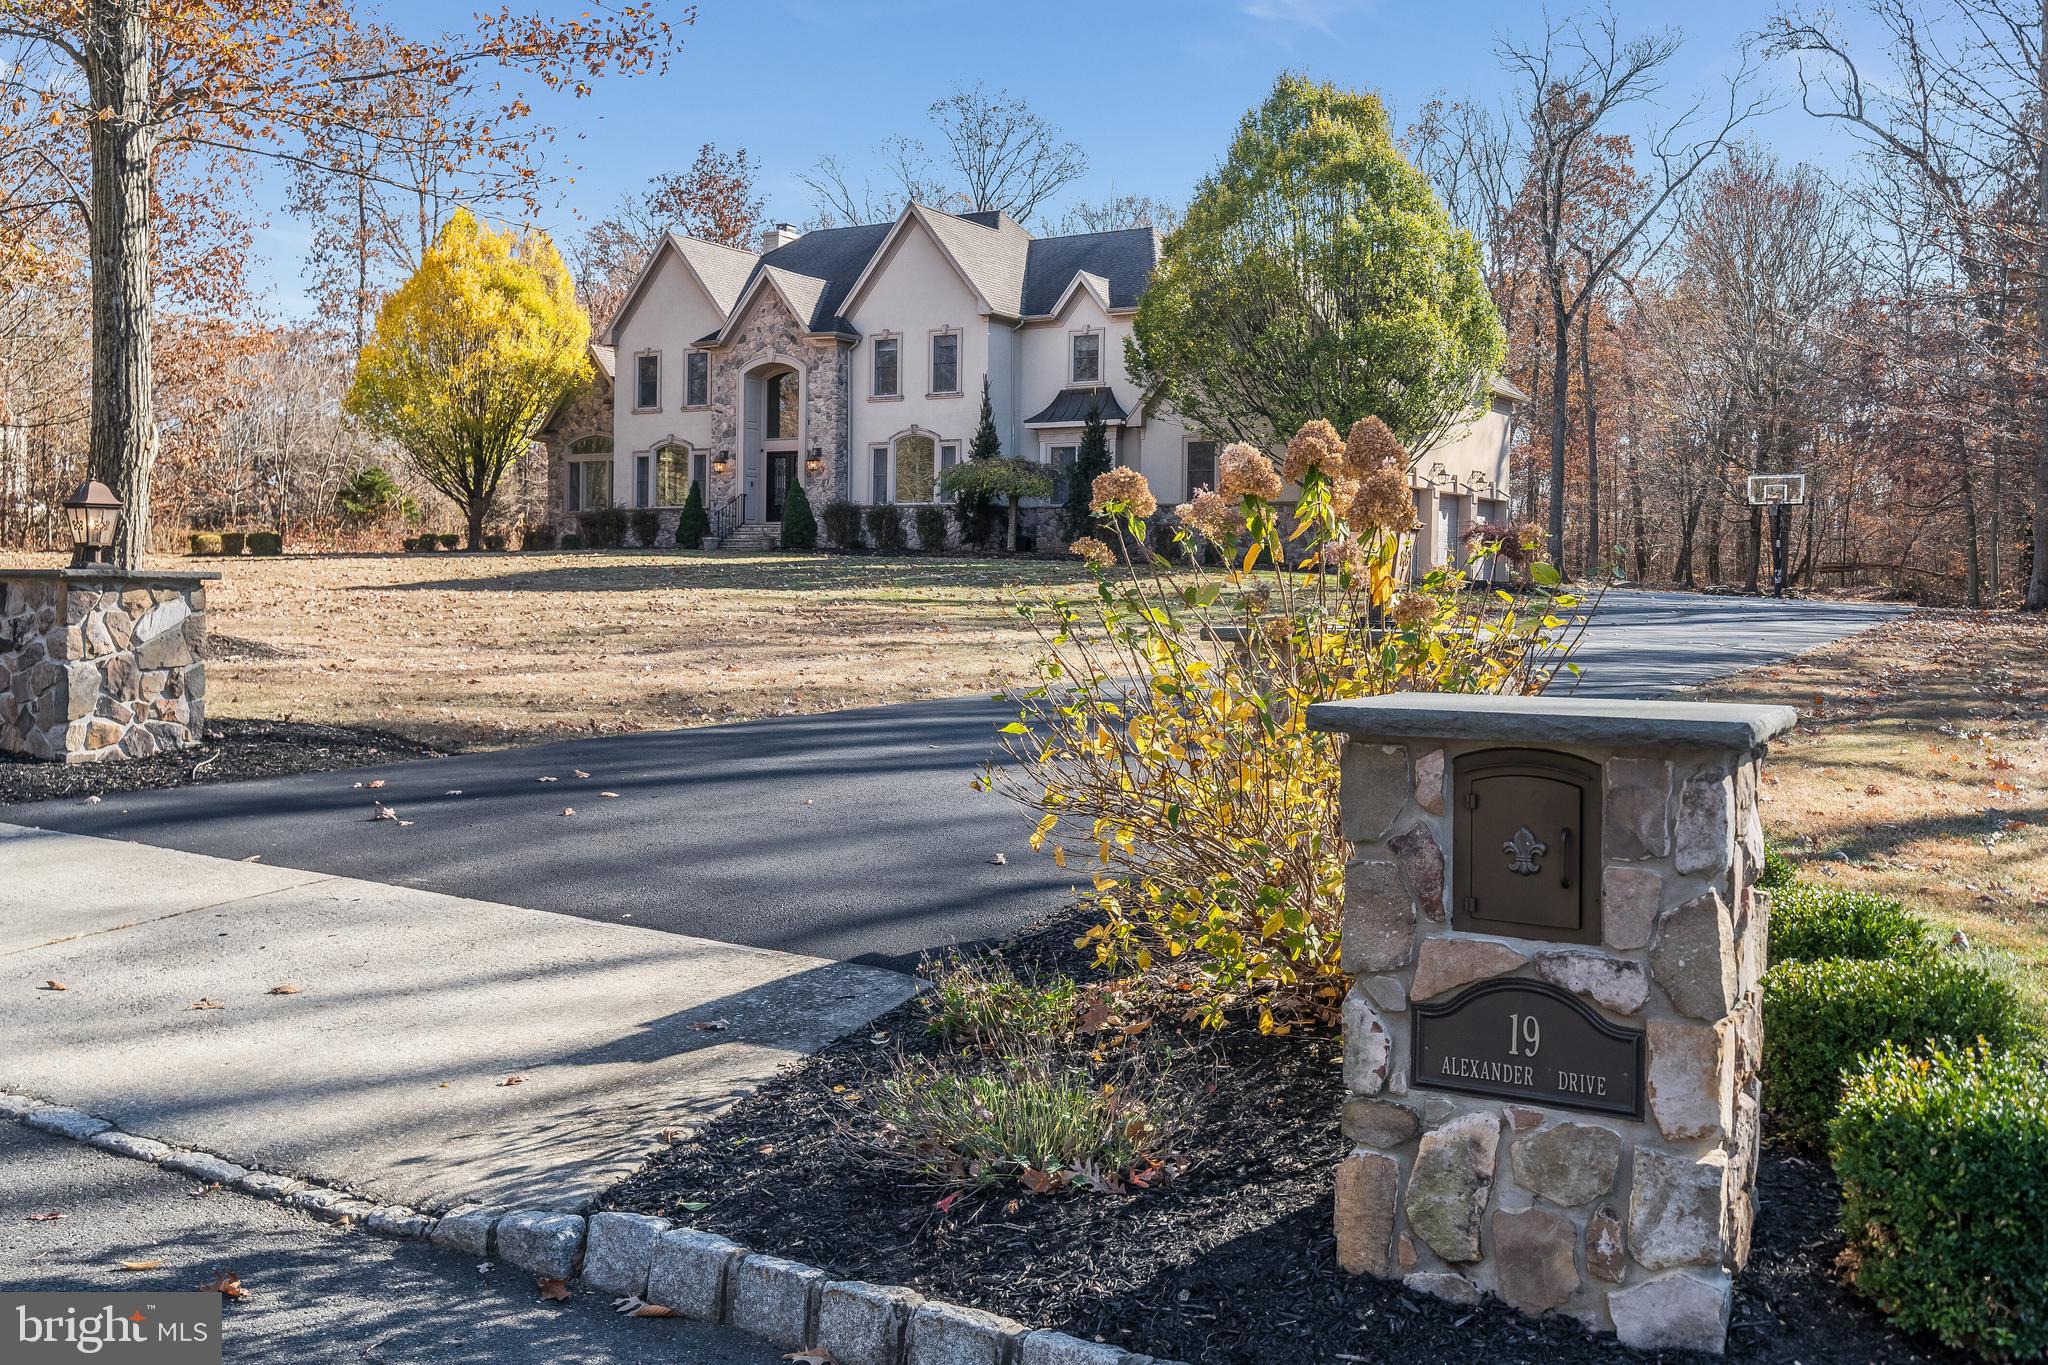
[
  {"x": 1973, "y": 565},
  {"x": 1560, "y": 394},
  {"x": 2037, "y": 582},
  {"x": 123, "y": 440},
  {"x": 1592, "y": 440}
]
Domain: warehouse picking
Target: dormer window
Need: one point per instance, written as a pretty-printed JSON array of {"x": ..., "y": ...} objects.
[
  {"x": 647, "y": 381},
  {"x": 1087, "y": 368},
  {"x": 887, "y": 375}
]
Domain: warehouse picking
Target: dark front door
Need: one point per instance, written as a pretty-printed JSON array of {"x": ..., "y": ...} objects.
[{"x": 781, "y": 470}]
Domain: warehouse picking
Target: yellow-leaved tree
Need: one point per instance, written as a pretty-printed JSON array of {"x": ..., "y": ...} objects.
[{"x": 470, "y": 356}]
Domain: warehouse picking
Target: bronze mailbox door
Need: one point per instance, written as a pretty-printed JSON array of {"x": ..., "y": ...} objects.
[{"x": 1528, "y": 829}]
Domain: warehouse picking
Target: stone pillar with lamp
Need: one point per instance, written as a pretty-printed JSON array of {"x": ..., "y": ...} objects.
[{"x": 96, "y": 662}]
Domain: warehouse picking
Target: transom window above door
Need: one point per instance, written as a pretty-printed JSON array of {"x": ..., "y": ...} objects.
[
  {"x": 888, "y": 381},
  {"x": 1087, "y": 368},
  {"x": 781, "y": 404}
]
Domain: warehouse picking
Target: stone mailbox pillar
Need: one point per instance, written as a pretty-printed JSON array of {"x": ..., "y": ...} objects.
[{"x": 1552, "y": 1036}]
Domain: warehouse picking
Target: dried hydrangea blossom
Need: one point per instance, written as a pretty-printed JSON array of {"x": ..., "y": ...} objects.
[
  {"x": 1094, "y": 551},
  {"x": 1372, "y": 448},
  {"x": 1315, "y": 446},
  {"x": 1211, "y": 514},
  {"x": 1243, "y": 472},
  {"x": 1125, "y": 485}
]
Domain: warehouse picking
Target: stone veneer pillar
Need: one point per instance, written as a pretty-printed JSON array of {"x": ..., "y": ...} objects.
[
  {"x": 100, "y": 664},
  {"x": 1634, "y": 1225}
]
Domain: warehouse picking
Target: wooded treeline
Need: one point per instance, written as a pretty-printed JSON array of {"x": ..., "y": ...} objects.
[{"x": 1684, "y": 307}]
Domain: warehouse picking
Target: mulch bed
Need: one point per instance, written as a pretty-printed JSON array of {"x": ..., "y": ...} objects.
[
  {"x": 234, "y": 751},
  {"x": 1233, "y": 1262}
]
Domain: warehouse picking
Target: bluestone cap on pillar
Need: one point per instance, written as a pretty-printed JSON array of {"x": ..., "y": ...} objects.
[{"x": 1487, "y": 718}]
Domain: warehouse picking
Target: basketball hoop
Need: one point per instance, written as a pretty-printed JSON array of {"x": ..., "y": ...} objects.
[{"x": 1777, "y": 490}]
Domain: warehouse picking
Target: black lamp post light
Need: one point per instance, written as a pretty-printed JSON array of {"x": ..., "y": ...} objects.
[{"x": 93, "y": 510}]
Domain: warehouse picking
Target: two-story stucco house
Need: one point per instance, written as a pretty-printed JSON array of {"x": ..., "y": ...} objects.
[{"x": 852, "y": 360}]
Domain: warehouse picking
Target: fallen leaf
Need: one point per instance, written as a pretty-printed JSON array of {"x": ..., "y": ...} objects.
[
  {"x": 1038, "y": 1182},
  {"x": 549, "y": 779},
  {"x": 608, "y": 794},
  {"x": 633, "y": 1306},
  {"x": 228, "y": 1286},
  {"x": 456, "y": 792},
  {"x": 693, "y": 1205},
  {"x": 384, "y": 812},
  {"x": 513, "y": 1080},
  {"x": 376, "y": 784},
  {"x": 286, "y": 988},
  {"x": 139, "y": 1265},
  {"x": 568, "y": 810},
  {"x": 946, "y": 1205},
  {"x": 202, "y": 1003},
  {"x": 813, "y": 1355},
  {"x": 1000, "y": 861},
  {"x": 581, "y": 773},
  {"x": 45, "y": 1217},
  {"x": 554, "y": 1291},
  {"x": 54, "y": 986},
  {"x": 712, "y": 1026}
]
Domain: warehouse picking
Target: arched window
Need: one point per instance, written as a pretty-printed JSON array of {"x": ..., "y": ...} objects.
[
  {"x": 916, "y": 462},
  {"x": 671, "y": 475},
  {"x": 591, "y": 445}
]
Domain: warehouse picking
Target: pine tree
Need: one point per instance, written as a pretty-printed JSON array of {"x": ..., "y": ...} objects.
[
  {"x": 799, "y": 527},
  {"x": 693, "y": 525},
  {"x": 978, "y": 512},
  {"x": 1091, "y": 459}
]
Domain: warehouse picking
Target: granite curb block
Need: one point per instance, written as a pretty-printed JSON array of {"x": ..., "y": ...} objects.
[{"x": 697, "y": 1274}]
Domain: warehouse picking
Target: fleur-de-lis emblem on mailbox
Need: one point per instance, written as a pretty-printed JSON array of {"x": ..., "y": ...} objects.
[{"x": 1523, "y": 850}]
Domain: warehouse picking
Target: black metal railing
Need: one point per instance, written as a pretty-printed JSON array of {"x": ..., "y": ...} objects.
[{"x": 726, "y": 517}]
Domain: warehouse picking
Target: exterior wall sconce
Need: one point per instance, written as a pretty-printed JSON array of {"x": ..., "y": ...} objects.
[
  {"x": 721, "y": 463},
  {"x": 1437, "y": 472},
  {"x": 93, "y": 511},
  {"x": 816, "y": 463}
]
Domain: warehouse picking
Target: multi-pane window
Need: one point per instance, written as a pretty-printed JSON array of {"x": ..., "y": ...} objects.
[
  {"x": 640, "y": 480},
  {"x": 886, "y": 381},
  {"x": 949, "y": 455},
  {"x": 878, "y": 491},
  {"x": 590, "y": 484},
  {"x": 647, "y": 381},
  {"x": 1087, "y": 357},
  {"x": 696, "y": 379},
  {"x": 671, "y": 476},
  {"x": 915, "y": 474},
  {"x": 1201, "y": 465},
  {"x": 945, "y": 362}
]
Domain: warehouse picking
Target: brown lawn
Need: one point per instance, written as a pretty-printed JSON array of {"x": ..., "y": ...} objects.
[
  {"x": 1922, "y": 758},
  {"x": 484, "y": 651}
]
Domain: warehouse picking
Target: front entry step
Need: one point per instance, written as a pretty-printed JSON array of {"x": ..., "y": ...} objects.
[{"x": 759, "y": 535}]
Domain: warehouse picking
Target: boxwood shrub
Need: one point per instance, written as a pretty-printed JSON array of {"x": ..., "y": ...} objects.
[
  {"x": 1943, "y": 1160},
  {"x": 1822, "y": 1017},
  {"x": 931, "y": 529},
  {"x": 842, "y": 524},
  {"x": 233, "y": 542},
  {"x": 1813, "y": 922},
  {"x": 1778, "y": 870},
  {"x": 205, "y": 542},
  {"x": 266, "y": 543},
  {"x": 885, "y": 529},
  {"x": 646, "y": 527}
]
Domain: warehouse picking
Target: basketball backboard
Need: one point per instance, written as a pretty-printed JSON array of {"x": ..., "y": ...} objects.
[{"x": 1777, "y": 490}]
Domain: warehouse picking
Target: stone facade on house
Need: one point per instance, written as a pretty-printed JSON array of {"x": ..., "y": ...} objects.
[
  {"x": 101, "y": 665},
  {"x": 1633, "y": 1223}
]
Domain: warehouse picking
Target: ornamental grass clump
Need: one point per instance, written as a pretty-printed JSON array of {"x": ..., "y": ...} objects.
[
  {"x": 1032, "y": 1116},
  {"x": 979, "y": 1001},
  {"x": 1165, "y": 736},
  {"x": 1943, "y": 1159}
]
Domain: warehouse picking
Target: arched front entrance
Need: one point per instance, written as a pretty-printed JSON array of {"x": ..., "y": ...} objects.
[{"x": 773, "y": 455}]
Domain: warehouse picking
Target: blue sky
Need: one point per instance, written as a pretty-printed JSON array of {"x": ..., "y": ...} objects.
[{"x": 1150, "y": 90}]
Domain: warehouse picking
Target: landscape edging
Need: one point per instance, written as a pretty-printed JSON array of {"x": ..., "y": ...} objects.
[{"x": 868, "y": 1325}]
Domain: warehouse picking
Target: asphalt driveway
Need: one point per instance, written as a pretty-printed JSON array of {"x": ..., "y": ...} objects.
[{"x": 850, "y": 835}]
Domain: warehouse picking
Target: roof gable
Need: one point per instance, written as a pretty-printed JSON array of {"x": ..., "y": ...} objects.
[
  {"x": 1123, "y": 258},
  {"x": 717, "y": 270}
]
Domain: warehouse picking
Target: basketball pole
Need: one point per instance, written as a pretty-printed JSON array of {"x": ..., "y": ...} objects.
[{"x": 1777, "y": 549}]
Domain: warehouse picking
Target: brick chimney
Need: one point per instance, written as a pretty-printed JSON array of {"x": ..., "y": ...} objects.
[{"x": 782, "y": 234}]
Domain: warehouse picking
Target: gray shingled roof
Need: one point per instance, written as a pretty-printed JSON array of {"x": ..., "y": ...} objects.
[
  {"x": 834, "y": 257},
  {"x": 1019, "y": 275},
  {"x": 1125, "y": 258},
  {"x": 1071, "y": 406},
  {"x": 724, "y": 269}
]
